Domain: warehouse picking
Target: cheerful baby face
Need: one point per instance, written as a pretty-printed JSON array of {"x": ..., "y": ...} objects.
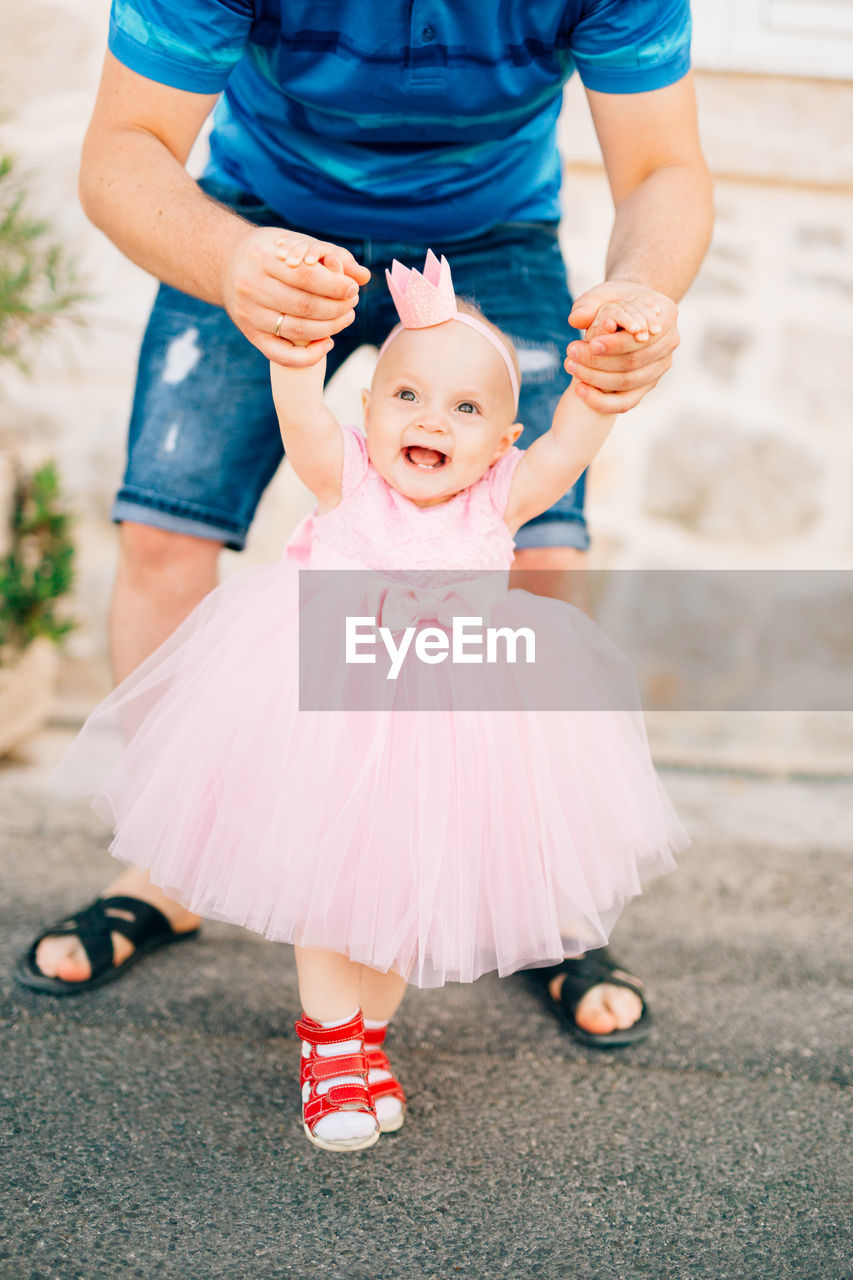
[{"x": 439, "y": 413}]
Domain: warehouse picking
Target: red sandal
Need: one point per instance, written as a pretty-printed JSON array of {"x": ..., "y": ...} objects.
[
  {"x": 340, "y": 1097},
  {"x": 377, "y": 1060}
]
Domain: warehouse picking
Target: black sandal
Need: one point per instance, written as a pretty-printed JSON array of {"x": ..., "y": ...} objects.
[
  {"x": 148, "y": 930},
  {"x": 581, "y": 975}
]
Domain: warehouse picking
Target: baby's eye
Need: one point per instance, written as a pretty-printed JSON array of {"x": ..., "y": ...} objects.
[
  {"x": 467, "y": 407},
  {"x": 406, "y": 393}
]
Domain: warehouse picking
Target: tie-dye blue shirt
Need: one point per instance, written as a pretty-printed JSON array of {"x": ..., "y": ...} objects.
[{"x": 398, "y": 119}]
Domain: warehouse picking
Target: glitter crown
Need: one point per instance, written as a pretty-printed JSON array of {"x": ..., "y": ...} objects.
[
  {"x": 426, "y": 300},
  {"x": 422, "y": 300}
]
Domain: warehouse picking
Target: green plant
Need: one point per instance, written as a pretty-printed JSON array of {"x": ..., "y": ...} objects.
[
  {"x": 40, "y": 564},
  {"x": 38, "y": 279},
  {"x": 38, "y": 286}
]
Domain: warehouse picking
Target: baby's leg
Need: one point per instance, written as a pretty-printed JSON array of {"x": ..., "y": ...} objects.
[
  {"x": 329, "y": 984},
  {"x": 381, "y": 994},
  {"x": 330, "y": 989}
]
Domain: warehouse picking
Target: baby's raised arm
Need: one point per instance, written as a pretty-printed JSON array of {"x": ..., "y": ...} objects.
[
  {"x": 556, "y": 460},
  {"x": 311, "y": 435}
]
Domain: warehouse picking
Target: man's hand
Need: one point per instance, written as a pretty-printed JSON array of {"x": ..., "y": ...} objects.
[
  {"x": 305, "y": 288},
  {"x": 618, "y": 361}
]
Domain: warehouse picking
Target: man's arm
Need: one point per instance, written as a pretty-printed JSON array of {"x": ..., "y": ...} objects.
[
  {"x": 554, "y": 462},
  {"x": 134, "y": 187},
  {"x": 663, "y": 202}
]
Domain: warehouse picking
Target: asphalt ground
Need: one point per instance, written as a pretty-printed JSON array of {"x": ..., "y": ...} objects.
[{"x": 152, "y": 1128}]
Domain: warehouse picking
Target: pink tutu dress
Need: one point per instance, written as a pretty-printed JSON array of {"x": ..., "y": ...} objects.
[{"x": 441, "y": 844}]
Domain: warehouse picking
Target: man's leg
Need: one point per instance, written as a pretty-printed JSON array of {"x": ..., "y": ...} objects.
[
  {"x": 161, "y": 577},
  {"x": 517, "y": 275},
  {"x": 558, "y": 571},
  {"x": 203, "y": 445}
]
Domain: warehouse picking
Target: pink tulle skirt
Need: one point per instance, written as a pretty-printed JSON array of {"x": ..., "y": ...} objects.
[{"x": 438, "y": 844}]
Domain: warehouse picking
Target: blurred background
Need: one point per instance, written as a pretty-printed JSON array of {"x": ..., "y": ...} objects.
[{"x": 741, "y": 458}]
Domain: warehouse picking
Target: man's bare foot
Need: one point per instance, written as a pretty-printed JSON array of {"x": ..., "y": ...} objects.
[
  {"x": 65, "y": 958},
  {"x": 604, "y": 1008}
]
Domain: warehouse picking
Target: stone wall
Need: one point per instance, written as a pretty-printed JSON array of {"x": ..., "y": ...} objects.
[{"x": 742, "y": 457}]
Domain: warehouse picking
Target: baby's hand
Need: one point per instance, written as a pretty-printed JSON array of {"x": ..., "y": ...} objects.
[
  {"x": 289, "y": 313},
  {"x": 638, "y": 315},
  {"x": 294, "y": 250},
  {"x": 631, "y": 333}
]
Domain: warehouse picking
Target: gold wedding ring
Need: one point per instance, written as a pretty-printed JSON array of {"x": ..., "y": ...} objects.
[{"x": 279, "y": 322}]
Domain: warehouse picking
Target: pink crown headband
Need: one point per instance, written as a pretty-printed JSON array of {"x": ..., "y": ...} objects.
[{"x": 426, "y": 300}]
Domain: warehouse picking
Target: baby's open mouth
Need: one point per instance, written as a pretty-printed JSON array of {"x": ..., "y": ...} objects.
[{"x": 426, "y": 459}]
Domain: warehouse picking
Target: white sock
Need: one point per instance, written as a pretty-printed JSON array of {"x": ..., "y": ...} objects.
[
  {"x": 344, "y": 1124},
  {"x": 387, "y": 1108}
]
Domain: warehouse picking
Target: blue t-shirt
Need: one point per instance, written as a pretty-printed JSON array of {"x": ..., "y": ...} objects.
[{"x": 398, "y": 119}]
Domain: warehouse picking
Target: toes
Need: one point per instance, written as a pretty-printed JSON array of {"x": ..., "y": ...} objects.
[
  {"x": 592, "y": 1013},
  {"x": 607, "y": 1008},
  {"x": 74, "y": 968},
  {"x": 625, "y": 1006},
  {"x": 52, "y": 952},
  {"x": 65, "y": 957}
]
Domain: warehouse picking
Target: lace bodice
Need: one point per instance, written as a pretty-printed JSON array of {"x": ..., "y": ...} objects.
[{"x": 375, "y": 527}]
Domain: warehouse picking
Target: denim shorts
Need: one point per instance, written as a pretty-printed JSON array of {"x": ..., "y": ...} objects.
[{"x": 204, "y": 442}]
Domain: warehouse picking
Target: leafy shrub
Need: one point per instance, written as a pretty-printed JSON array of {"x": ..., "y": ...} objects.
[
  {"x": 38, "y": 280},
  {"x": 40, "y": 565},
  {"x": 38, "y": 286}
]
